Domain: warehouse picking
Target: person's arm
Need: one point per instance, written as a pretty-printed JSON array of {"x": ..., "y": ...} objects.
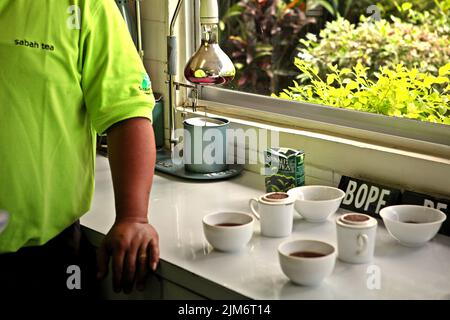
[{"x": 132, "y": 242}]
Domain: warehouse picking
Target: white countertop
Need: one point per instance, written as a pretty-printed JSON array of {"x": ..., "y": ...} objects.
[{"x": 176, "y": 210}]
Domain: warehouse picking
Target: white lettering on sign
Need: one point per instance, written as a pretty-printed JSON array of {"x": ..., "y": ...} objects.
[
  {"x": 365, "y": 196},
  {"x": 374, "y": 192},
  {"x": 359, "y": 200},
  {"x": 430, "y": 204},
  {"x": 351, "y": 188},
  {"x": 381, "y": 201}
]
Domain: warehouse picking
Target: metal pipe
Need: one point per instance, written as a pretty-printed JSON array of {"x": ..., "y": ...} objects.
[
  {"x": 175, "y": 16},
  {"x": 124, "y": 9},
  {"x": 172, "y": 71},
  {"x": 139, "y": 29}
]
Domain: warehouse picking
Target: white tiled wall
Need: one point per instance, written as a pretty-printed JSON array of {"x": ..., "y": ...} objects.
[
  {"x": 155, "y": 30},
  {"x": 156, "y": 15}
]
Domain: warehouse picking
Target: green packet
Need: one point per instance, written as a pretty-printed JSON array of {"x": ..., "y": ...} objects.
[{"x": 284, "y": 169}]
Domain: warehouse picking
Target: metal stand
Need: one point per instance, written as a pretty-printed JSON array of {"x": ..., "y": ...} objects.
[
  {"x": 172, "y": 72},
  {"x": 164, "y": 164},
  {"x": 164, "y": 158}
]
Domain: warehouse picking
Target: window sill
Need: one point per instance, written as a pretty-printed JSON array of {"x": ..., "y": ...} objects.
[{"x": 342, "y": 134}]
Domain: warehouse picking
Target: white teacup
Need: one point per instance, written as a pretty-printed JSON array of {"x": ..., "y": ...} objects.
[
  {"x": 412, "y": 225},
  {"x": 356, "y": 237},
  {"x": 228, "y": 231},
  {"x": 307, "y": 262},
  {"x": 276, "y": 215},
  {"x": 316, "y": 203}
]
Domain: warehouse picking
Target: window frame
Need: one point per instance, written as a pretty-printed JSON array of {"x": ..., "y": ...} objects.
[
  {"x": 415, "y": 130},
  {"x": 352, "y": 119}
]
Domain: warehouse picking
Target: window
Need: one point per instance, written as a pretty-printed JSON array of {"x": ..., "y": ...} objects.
[{"x": 378, "y": 65}]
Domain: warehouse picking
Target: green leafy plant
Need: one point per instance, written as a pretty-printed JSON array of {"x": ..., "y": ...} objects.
[
  {"x": 398, "y": 8},
  {"x": 342, "y": 8},
  {"x": 397, "y": 91},
  {"x": 261, "y": 37},
  {"x": 353, "y": 9},
  {"x": 375, "y": 44},
  {"x": 434, "y": 20}
]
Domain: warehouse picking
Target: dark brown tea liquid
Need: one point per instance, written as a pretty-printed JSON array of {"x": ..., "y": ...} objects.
[
  {"x": 356, "y": 218},
  {"x": 307, "y": 254},
  {"x": 277, "y": 196},
  {"x": 228, "y": 224}
]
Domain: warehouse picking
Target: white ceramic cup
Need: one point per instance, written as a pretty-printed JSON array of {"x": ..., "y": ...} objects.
[
  {"x": 316, "y": 203},
  {"x": 228, "y": 231},
  {"x": 307, "y": 271},
  {"x": 356, "y": 239},
  {"x": 276, "y": 217},
  {"x": 426, "y": 223}
]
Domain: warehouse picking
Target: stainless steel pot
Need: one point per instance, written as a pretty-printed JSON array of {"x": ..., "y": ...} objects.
[{"x": 205, "y": 144}]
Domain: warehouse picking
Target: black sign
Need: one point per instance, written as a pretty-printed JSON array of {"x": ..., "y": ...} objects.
[
  {"x": 367, "y": 197},
  {"x": 410, "y": 197}
]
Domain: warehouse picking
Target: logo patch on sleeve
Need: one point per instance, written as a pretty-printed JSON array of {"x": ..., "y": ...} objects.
[{"x": 146, "y": 84}]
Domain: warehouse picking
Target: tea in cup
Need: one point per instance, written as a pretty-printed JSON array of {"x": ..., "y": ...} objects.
[
  {"x": 356, "y": 237},
  {"x": 228, "y": 231},
  {"x": 275, "y": 210},
  {"x": 275, "y": 196},
  {"x": 307, "y": 262}
]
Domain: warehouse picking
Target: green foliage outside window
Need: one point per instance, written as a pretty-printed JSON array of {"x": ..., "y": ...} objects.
[
  {"x": 397, "y": 91},
  {"x": 376, "y": 44},
  {"x": 424, "y": 46},
  {"x": 397, "y": 66},
  {"x": 261, "y": 37}
]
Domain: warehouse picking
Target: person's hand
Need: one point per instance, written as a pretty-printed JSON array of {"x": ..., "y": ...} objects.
[{"x": 134, "y": 249}]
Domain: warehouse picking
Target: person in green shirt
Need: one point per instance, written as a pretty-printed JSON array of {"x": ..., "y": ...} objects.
[{"x": 69, "y": 70}]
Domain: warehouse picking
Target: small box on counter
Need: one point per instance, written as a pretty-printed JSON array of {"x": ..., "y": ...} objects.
[{"x": 284, "y": 169}]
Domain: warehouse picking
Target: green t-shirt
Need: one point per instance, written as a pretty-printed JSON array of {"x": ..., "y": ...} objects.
[{"x": 68, "y": 69}]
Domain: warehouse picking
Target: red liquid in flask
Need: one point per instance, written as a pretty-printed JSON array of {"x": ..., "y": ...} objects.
[{"x": 208, "y": 80}]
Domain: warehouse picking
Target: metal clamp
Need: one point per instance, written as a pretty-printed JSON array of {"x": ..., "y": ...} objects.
[{"x": 195, "y": 91}]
